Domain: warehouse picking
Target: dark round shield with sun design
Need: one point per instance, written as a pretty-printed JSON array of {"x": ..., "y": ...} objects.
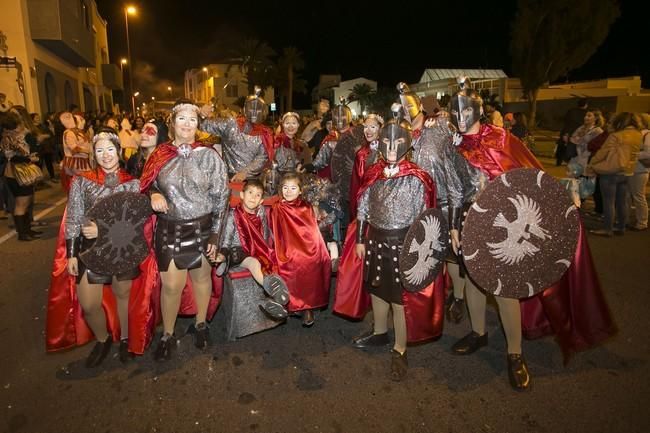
[
  {"x": 520, "y": 235},
  {"x": 120, "y": 245},
  {"x": 424, "y": 250}
]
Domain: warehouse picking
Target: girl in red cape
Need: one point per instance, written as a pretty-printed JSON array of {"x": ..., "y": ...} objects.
[
  {"x": 303, "y": 261},
  {"x": 82, "y": 303}
]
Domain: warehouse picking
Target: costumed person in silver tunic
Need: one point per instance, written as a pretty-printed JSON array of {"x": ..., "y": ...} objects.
[
  {"x": 247, "y": 242},
  {"x": 466, "y": 109},
  {"x": 290, "y": 153},
  {"x": 393, "y": 193},
  {"x": 188, "y": 185},
  {"x": 434, "y": 152},
  {"x": 80, "y": 233},
  {"x": 245, "y": 142}
]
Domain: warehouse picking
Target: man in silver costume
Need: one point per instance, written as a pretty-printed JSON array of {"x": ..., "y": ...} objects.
[
  {"x": 393, "y": 193},
  {"x": 434, "y": 152},
  {"x": 245, "y": 141},
  {"x": 188, "y": 185}
]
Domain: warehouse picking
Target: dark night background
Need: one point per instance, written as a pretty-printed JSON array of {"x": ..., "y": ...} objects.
[{"x": 354, "y": 39}]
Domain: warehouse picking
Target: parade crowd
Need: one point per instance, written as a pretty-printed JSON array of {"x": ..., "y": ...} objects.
[{"x": 204, "y": 211}]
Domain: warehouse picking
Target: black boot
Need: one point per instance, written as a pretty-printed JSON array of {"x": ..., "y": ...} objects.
[
  {"x": 125, "y": 355},
  {"x": 399, "y": 365},
  {"x": 455, "y": 309},
  {"x": 99, "y": 353},
  {"x": 165, "y": 347},
  {"x": 202, "y": 335},
  {"x": 22, "y": 229},
  {"x": 518, "y": 372},
  {"x": 469, "y": 344}
]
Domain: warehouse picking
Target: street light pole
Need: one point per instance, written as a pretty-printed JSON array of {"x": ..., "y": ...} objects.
[
  {"x": 123, "y": 62},
  {"x": 129, "y": 10}
]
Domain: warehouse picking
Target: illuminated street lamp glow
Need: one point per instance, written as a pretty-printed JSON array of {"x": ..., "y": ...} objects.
[{"x": 131, "y": 10}]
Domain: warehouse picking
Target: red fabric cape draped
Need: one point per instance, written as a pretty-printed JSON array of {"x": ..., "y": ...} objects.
[
  {"x": 157, "y": 160},
  {"x": 574, "y": 309},
  {"x": 282, "y": 140},
  {"x": 261, "y": 130},
  {"x": 357, "y": 174},
  {"x": 66, "y": 327},
  {"x": 424, "y": 310},
  {"x": 302, "y": 257},
  {"x": 251, "y": 237}
]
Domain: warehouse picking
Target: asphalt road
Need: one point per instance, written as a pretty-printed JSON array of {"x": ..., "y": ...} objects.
[{"x": 293, "y": 379}]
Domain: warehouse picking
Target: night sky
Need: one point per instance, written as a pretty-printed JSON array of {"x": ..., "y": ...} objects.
[{"x": 383, "y": 44}]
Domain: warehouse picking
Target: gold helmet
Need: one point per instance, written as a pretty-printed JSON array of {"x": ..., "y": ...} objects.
[{"x": 411, "y": 102}]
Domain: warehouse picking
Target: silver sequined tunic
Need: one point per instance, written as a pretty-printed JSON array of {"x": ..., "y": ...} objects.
[
  {"x": 84, "y": 193},
  {"x": 286, "y": 159},
  {"x": 324, "y": 156},
  {"x": 241, "y": 151},
  {"x": 194, "y": 186},
  {"x": 393, "y": 203},
  {"x": 434, "y": 152}
]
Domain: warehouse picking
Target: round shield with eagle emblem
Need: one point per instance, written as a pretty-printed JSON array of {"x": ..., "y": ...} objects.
[
  {"x": 520, "y": 235},
  {"x": 120, "y": 245},
  {"x": 424, "y": 250}
]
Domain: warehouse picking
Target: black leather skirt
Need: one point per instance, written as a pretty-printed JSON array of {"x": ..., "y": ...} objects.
[
  {"x": 184, "y": 241},
  {"x": 381, "y": 264}
]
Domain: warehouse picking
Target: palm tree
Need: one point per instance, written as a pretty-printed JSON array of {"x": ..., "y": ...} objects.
[
  {"x": 290, "y": 63},
  {"x": 254, "y": 58},
  {"x": 362, "y": 93}
]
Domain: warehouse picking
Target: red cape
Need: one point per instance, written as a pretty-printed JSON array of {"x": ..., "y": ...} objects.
[
  {"x": 261, "y": 130},
  {"x": 301, "y": 254},
  {"x": 574, "y": 309},
  {"x": 251, "y": 237},
  {"x": 424, "y": 310},
  {"x": 66, "y": 327}
]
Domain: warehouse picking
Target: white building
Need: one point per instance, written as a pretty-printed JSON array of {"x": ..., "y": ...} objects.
[
  {"x": 62, "y": 48},
  {"x": 221, "y": 84},
  {"x": 332, "y": 88}
]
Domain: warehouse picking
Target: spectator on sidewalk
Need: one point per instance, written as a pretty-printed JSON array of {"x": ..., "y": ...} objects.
[
  {"x": 574, "y": 117},
  {"x": 637, "y": 182}
]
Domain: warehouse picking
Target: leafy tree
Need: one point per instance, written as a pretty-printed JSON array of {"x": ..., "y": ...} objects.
[
  {"x": 362, "y": 93},
  {"x": 552, "y": 37},
  {"x": 288, "y": 78},
  {"x": 381, "y": 100},
  {"x": 254, "y": 58}
]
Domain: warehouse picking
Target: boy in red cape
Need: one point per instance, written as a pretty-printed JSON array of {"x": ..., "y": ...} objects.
[{"x": 246, "y": 242}]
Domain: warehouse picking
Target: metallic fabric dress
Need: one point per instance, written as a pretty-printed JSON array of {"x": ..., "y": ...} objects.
[
  {"x": 196, "y": 189},
  {"x": 389, "y": 207},
  {"x": 84, "y": 193}
]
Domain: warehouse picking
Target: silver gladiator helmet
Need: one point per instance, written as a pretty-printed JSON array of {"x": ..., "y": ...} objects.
[
  {"x": 395, "y": 137},
  {"x": 410, "y": 101},
  {"x": 341, "y": 115},
  {"x": 465, "y": 106},
  {"x": 255, "y": 109}
]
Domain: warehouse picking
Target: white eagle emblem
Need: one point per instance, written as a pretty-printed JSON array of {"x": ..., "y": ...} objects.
[
  {"x": 516, "y": 246},
  {"x": 426, "y": 261}
]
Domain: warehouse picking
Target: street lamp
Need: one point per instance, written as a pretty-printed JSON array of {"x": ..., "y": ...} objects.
[
  {"x": 207, "y": 97},
  {"x": 153, "y": 105},
  {"x": 129, "y": 10},
  {"x": 169, "y": 89},
  {"x": 123, "y": 62},
  {"x": 135, "y": 95}
]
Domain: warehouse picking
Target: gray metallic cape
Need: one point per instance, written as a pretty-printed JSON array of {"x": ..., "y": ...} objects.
[
  {"x": 342, "y": 159},
  {"x": 194, "y": 186},
  {"x": 393, "y": 203},
  {"x": 242, "y": 152},
  {"x": 83, "y": 195},
  {"x": 434, "y": 152}
]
